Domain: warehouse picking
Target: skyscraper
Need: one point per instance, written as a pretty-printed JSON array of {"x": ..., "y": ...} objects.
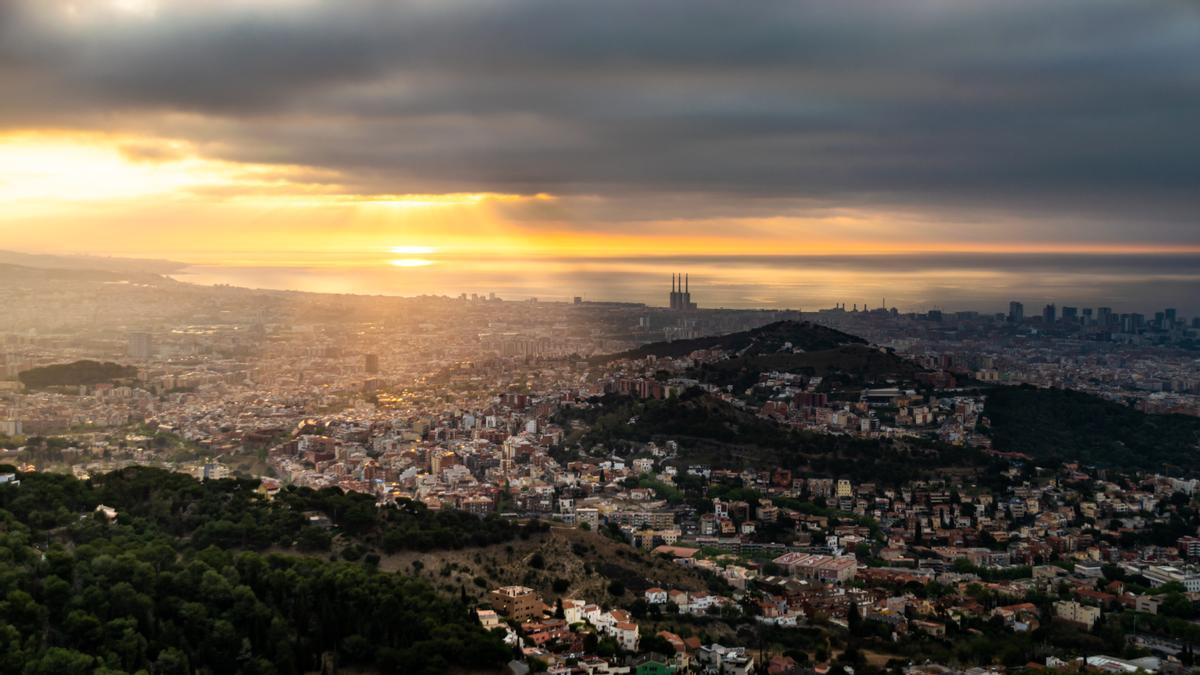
[
  {"x": 141, "y": 346},
  {"x": 371, "y": 363},
  {"x": 1016, "y": 312},
  {"x": 1049, "y": 314},
  {"x": 1070, "y": 315}
]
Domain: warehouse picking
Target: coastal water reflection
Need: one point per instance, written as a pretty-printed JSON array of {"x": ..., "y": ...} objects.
[{"x": 950, "y": 282}]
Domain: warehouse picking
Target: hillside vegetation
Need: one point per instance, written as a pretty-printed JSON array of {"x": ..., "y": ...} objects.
[
  {"x": 76, "y": 373},
  {"x": 1066, "y": 425},
  {"x": 848, "y": 365},
  {"x": 767, "y": 339},
  {"x": 170, "y": 585},
  {"x": 712, "y": 431}
]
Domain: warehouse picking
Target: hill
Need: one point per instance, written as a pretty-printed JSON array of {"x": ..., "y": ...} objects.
[
  {"x": 76, "y": 373},
  {"x": 847, "y": 365},
  {"x": 712, "y": 431},
  {"x": 1066, "y": 425},
  {"x": 18, "y": 275},
  {"x": 90, "y": 263},
  {"x": 768, "y": 339}
]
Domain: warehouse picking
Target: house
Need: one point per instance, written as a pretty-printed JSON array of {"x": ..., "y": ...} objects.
[
  {"x": 676, "y": 642},
  {"x": 716, "y": 658},
  {"x": 573, "y": 611},
  {"x": 782, "y": 665},
  {"x": 700, "y": 602},
  {"x": 656, "y": 596},
  {"x": 1020, "y": 618},
  {"x": 488, "y": 618},
  {"x": 107, "y": 511},
  {"x": 626, "y": 634},
  {"x": 652, "y": 665},
  {"x": 596, "y": 616}
]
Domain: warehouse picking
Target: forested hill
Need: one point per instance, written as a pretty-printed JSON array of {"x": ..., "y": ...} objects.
[
  {"x": 175, "y": 584},
  {"x": 712, "y": 431},
  {"x": 849, "y": 367},
  {"x": 1066, "y": 425},
  {"x": 767, "y": 339},
  {"x": 75, "y": 373}
]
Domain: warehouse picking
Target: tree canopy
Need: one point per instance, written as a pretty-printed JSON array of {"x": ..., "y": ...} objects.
[{"x": 172, "y": 585}]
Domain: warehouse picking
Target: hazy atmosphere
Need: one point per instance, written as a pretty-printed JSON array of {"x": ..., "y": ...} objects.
[
  {"x": 267, "y": 132},
  {"x": 604, "y": 337}
]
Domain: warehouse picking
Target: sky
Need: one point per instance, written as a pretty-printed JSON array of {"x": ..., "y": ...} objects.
[{"x": 410, "y": 134}]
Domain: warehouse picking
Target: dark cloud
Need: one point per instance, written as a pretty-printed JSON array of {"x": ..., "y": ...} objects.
[{"x": 1081, "y": 113}]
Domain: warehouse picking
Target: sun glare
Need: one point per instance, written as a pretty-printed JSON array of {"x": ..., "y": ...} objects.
[{"x": 411, "y": 262}]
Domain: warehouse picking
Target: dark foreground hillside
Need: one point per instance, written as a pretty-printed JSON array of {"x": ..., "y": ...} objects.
[
  {"x": 1066, "y": 425},
  {"x": 166, "y": 588}
]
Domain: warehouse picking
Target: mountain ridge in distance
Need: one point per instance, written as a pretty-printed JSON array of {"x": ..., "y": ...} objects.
[{"x": 81, "y": 262}]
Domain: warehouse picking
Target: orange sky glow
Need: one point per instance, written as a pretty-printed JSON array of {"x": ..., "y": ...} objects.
[{"x": 105, "y": 194}]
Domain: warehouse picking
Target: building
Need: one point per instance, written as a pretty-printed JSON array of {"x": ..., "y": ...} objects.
[
  {"x": 1084, "y": 615},
  {"x": 844, "y": 488},
  {"x": 1049, "y": 314},
  {"x": 1016, "y": 312},
  {"x": 371, "y": 364},
  {"x": 827, "y": 568},
  {"x": 1111, "y": 664},
  {"x": 652, "y": 665},
  {"x": 587, "y": 515},
  {"x": 516, "y": 602},
  {"x": 716, "y": 658},
  {"x": 573, "y": 611},
  {"x": 1189, "y": 547},
  {"x": 626, "y": 634},
  {"x": 656, "y": 596},
  {"x": 681, "y": 297},
  {"x": 1158, "y": 575},
  {"x": 141, "y": 346},
  {"x": 488, "y": 618}
]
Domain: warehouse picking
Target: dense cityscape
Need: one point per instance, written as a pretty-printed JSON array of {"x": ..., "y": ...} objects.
[
  {"x": 653, "y": 337},
  {"x": 695, "y": 490}
]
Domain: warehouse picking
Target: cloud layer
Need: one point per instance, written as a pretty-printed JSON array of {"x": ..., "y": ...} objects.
[{"x": 1074, "y": 120}]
